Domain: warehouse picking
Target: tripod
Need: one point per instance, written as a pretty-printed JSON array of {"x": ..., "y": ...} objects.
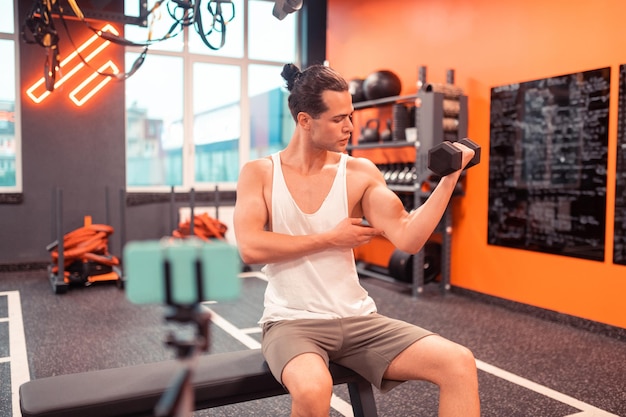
[{"x": 178, "y": 399}]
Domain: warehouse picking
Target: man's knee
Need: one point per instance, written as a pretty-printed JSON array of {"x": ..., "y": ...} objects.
[
  {"x": 310, "y": 396},
  {"x": 466, "y": 357},
  {"x": 308, "y": 379},
  {"x": 311, "y": 391},
  {"x": 461, "y": 363},
  {"x": 440, "y": 361},
  {"x": 307, "y": 385}
]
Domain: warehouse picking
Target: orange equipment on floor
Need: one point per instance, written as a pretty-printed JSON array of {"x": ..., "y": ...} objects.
[
  {"x": 204, "y": 226},
  {"x": 86, "y": 257}
]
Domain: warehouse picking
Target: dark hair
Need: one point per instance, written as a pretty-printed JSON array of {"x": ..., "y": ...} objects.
[{"x": 306, "y": 88}]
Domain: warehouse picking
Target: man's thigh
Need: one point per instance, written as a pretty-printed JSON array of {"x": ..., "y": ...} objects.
[
  {"x": 372, "y": 343},
  {"x": 307, "y": 372},
  {"x": 366, "y": 344},
  {"x": 424, "y": 360},
  {"x": 288, "y": 339}
]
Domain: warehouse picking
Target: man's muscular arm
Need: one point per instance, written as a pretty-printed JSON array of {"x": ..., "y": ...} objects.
[
  {"x": 257, "y": 245},
  {"x": 408, "y": 231}
]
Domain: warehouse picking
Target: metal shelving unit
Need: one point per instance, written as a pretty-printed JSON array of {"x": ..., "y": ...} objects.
[{"x": 441, "y": 114}]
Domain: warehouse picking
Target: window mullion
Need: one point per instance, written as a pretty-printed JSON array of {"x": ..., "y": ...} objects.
[
  {"x": 18, "y": 105},
  {"x": 10, "y": 38},
  {"x": 244, "y": 140},
  {"x": 188, "y": 116}
]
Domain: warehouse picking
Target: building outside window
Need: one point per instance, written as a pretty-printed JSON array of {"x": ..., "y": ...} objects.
[
  {"x": 195, "y": 114},
  {"x": 10, "y": 163}
]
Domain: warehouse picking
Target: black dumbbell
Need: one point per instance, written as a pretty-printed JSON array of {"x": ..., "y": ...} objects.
[{"x": 446, "y": 158}]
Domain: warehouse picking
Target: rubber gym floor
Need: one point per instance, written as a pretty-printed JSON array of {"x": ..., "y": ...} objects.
[{"x": 531, "y": 363}]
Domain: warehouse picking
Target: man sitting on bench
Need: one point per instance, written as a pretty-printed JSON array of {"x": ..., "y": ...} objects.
[{"x": 299, "y": 211}]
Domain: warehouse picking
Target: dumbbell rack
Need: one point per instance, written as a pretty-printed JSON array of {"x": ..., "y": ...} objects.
[
  {"x": 431, "y": 132},
  {"x": 435, "y": 122}
]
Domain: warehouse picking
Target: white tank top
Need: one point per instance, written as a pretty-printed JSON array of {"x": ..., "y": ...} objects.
[{"x": 324, "y": 285}]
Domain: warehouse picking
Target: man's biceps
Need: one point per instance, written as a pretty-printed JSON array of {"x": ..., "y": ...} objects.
[{"x": 253, "y": 219}]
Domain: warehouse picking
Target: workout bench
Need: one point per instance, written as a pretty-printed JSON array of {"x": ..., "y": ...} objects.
[{"x": 218, "y": 379}]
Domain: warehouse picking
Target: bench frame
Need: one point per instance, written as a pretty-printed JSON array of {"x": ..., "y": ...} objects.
[{"x": 133, "y": 391}]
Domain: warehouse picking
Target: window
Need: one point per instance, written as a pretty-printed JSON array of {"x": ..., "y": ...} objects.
[
  {"x": 10, "y": 163},
  {"x": 216, "y": 121},
  {"x": 195, "y": 114},
  {"x": 154, "y": 114},
  {"x": 271, "y": 124}
]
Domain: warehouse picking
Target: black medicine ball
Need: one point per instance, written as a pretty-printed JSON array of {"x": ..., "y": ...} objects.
[
  {"x": 355, "y": 87},
  {"x": 381, "y": 84}
]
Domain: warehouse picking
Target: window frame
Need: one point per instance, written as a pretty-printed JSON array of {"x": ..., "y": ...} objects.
[
  {"x": 189, "y": 59},
  {"x": 18, "y": 187}
]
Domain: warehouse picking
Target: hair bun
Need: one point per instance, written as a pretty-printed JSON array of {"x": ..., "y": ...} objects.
[{"x": 290, "y": 73}]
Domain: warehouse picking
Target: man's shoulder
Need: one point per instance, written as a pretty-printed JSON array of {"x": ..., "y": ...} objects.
[
  {"x": 256, "y": 170},
  {"x": 360, "y": 163},
  {"x": 259, "y": 164}
]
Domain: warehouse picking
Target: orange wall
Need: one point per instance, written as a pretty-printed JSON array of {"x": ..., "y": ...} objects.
[{"x": 491, "y": 43}]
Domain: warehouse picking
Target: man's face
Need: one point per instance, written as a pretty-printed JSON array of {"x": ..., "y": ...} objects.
[{"x": 333, "y": 129}]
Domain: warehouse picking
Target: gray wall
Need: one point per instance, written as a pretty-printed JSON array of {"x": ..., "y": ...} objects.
[{"x": 79, "y": 149}]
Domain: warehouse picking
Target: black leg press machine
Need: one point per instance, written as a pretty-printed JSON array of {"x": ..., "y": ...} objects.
[{"x": 181, "y": 273}]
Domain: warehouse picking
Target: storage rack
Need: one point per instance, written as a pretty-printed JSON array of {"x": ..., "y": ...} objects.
[{"x": 431, "y": 130}]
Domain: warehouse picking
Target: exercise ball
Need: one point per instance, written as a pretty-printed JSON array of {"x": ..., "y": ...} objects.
[
  {"x": 379, "y": 84},
  {"x": 355, "y": 87}
]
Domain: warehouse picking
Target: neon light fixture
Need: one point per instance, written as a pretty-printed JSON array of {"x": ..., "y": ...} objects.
[
  {"x": 38, "y": 92},
  {"x": 75, "y": 94}
]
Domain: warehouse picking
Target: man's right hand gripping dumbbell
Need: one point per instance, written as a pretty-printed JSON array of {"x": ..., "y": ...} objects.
[{"x": 447, "y": 158}]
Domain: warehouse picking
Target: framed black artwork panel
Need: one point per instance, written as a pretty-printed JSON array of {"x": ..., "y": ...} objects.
[
  {"x": 619, "y": 236},
  {"x": 548, "y": 163}
]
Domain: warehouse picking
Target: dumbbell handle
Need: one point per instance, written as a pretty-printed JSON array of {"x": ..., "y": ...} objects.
[{"x": 473, "y": 146}]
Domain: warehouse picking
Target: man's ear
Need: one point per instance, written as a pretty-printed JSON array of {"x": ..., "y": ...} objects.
[{"x": 304, "y": 120}]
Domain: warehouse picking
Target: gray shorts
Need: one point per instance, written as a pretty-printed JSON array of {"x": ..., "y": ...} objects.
[{"x": 366, "y": 344}]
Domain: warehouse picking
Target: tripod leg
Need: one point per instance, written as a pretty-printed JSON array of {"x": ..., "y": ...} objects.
[{"x": 177, "y": 401}]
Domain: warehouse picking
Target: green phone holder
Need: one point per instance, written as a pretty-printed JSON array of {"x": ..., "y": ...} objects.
[{"x": 181, "y": 271}]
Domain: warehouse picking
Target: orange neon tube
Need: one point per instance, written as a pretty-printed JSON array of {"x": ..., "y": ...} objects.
[
  {"x": 38, "y": 92},
  {"x": 74, "y": 95}
]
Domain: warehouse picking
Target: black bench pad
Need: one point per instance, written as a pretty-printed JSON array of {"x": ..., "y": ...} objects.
[{"x": 218, "y": 379}]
